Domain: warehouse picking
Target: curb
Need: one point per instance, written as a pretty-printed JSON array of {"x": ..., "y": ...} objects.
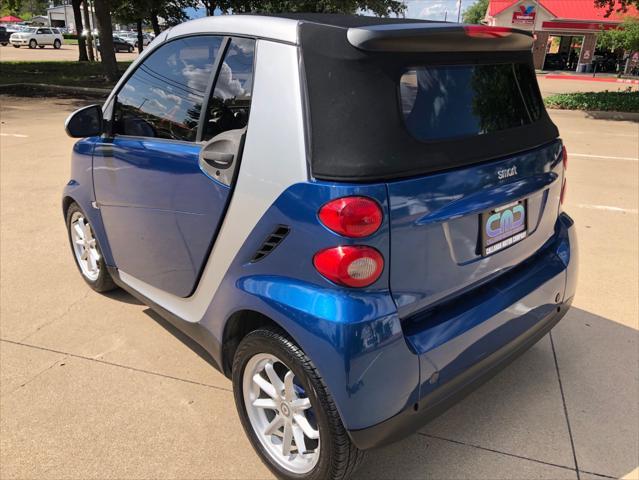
[
  {"x": 14, "y": 87},
  {"x": 584, "y": 78},
  {"x": 600, "y": 114}
]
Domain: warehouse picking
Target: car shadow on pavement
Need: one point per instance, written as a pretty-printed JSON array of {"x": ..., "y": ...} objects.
[
  {"x": 181, "y": 336},
  {"x": 122, "y": 296},
  {"x": 515, "y": 426}
]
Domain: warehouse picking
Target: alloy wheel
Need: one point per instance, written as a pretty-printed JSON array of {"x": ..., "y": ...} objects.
[
  {"x": 281, "y": 413},
  {"x": 85, "y": 246}
]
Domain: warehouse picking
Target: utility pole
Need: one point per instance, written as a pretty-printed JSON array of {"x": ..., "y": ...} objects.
[{"x": 459, "y": 5}]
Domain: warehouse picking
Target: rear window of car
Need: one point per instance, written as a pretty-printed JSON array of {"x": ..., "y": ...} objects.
[{"x": 445, "y": 102}]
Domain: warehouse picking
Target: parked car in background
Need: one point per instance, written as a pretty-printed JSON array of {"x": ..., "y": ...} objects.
[
  {"x": 120, "y": 45},
  {"x": 37, "y": 37},
  {"x": 132, "y": 37},
  {"x": 4, "y": 36},
  {"x": 355, "y": 251}
]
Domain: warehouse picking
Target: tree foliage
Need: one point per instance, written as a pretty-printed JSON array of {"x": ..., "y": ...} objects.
[
  {"x": 625, "y": 38},
  {"x": 380, "y": 8},
  {"x": 476, "y": 12},
  {"x": 23, "y": 8},
  {"x": 618, "y": 6}
]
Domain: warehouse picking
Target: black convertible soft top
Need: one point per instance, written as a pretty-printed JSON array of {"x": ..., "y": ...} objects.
[{"x": 352, "y": 66}]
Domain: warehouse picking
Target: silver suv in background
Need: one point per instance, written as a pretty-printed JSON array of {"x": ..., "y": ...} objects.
[{"x": 37, "y": 37}]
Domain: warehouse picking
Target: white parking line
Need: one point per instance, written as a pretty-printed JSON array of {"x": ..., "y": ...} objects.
[
  {"x": 608, "y": 208},
  {"x": 586, "y": 155},
  {"x": 17, "y": 135}
]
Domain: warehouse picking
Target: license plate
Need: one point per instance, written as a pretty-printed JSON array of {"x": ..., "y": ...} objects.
[{"x": 503, "y": 226}]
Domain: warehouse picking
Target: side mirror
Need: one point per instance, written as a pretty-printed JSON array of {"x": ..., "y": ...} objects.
[{"x": 86, "y": 122}]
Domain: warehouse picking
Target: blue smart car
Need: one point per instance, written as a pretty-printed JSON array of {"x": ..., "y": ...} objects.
[{"x": 359, "y": 219}]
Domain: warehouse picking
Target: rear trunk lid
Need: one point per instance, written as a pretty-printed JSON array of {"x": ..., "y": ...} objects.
[{"x": 438, "y": 223}]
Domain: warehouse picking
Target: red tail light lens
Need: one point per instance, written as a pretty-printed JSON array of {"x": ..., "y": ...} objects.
[
  {"x": 482, "y": 31},
  {"x": 354, "y": 217},
  {"x": 564, "y": 157},
  {"x": 350, "y": 265}
]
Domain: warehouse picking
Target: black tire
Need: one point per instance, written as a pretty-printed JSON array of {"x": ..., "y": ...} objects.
[
  {"x": 104, "y": 282},
  {"x": 33, "y": 43},
  {"x": 16, "y": 46},
  {"x": 57, "y": 44},
  {"x": 130, "y": 49},
  {"x": 338, "y": 457},
  {"x": 5, "y": 44}
]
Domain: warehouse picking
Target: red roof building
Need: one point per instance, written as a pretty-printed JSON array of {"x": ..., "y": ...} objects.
[{"x": 564, "y": 28}]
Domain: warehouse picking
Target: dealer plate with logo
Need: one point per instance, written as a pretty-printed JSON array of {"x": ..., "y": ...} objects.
[{"x": 503, "y": 226}]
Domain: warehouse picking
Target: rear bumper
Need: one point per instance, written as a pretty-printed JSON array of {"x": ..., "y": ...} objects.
[
  {"x": 466, "y": 342},
  {"x": 430, "y": 406}
]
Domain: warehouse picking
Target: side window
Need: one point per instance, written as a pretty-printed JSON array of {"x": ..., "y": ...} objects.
[
  {"x": 230, "y": 102},
  {"x": 164, "y": 96},
  {"x": 40, "y": 31}
]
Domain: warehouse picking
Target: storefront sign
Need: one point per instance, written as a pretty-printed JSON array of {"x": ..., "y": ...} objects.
[{"x": 525, "y": 15}]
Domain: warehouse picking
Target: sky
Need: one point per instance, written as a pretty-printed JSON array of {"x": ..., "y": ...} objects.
[{"x": 426, "y": 9}]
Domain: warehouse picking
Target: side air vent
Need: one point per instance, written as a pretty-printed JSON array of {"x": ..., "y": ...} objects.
[{"x": 273, "y": 240}]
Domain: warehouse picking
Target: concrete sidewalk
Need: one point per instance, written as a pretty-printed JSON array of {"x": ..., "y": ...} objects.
[{"x": 97, "y": 386}]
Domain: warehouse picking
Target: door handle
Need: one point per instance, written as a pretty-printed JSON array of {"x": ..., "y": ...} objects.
[{"x": 218, "y": 159}]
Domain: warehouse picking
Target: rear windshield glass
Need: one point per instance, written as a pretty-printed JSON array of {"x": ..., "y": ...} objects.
[{"x": 441, "y": 102}]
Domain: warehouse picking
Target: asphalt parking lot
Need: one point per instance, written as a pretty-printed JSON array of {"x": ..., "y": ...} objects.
[{"x": 96, "y": 386}]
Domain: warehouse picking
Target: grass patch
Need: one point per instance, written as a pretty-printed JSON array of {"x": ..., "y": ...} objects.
[
  {"x": 624, "y": 101},
  {"x": 72, "y": 73},
  {"x": 70, "y": 41}
]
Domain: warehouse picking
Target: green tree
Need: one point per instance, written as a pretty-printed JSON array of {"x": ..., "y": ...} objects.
[
  {"x": 619, "y": 6},
  {"x": 105, "y": 31},
  {"x": 79, "y": 27},
  {"x": 476, "y": 12},
  {"x": 380, "y": 8},
  {"x": 626, "y": 38}
]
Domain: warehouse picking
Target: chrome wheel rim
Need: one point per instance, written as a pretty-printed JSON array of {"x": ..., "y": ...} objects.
[
  {"x": 85, "y": 246},
  {"x": 281, "y": 414}
]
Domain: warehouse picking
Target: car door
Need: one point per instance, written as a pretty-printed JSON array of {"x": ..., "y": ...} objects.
[
  {"x": 41, "y": 36},
  {"x": 163, "y": 176}
]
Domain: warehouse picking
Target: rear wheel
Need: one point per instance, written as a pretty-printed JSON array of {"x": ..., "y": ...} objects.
[
  {"x": 287, "y": 411},
  {"x": 5, "y": 44},
  {"x": 86, "y": 251},
  {"x": 33, "y": 43},
  {"x": 57, "y": 44}
]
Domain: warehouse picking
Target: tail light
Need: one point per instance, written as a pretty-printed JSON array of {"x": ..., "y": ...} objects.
[
  {"x": 483, "y": 31},
  {"x": 350, "y": 265},
  {"x": 354, "y": 217},
  {"x": 564, "y": 157}
]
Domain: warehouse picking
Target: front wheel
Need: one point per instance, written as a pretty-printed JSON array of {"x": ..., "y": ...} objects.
[
  {"x": 16, "y": 46},
  {"x": 287, "y": 411},
  {"x": 57, "y": 44},
  {"x": 33, "y": 43},
  {"x": 86, "y": 251},
  {"x": 130, "y": 49}
]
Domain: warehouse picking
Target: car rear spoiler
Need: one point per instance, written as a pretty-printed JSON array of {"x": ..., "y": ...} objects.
[{"x": 438, "y": 37}]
